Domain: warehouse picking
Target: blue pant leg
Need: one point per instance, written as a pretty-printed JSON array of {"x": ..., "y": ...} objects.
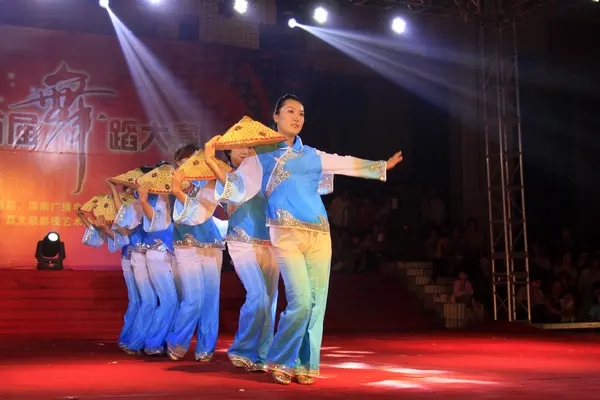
[
  {"x": 208, "y": 323},
  {"x": 148, "y": 302},
  {"x": 189, "y": 263},
  {"x": 133, "y": 306},
  {"x": 159, "y": 268}
]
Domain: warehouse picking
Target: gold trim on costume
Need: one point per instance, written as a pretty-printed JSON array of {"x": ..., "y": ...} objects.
[
  {"x": 286, "y": 220},
  {"x": 191, "y": 241},
  {"x": 240, "y": 235}
]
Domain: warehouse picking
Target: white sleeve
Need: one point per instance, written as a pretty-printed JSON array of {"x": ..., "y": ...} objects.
[
  {"x": 242, "y": 184},
  {"x": 161, "y": 218},
  {"x": 199, "y": 206},
  {"x": 130, "y": 215},
  {"x": 352, "y": 166}
]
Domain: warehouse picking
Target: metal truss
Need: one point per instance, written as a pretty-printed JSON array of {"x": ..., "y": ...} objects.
[
  {"x": 500, "y": 117},
  {"x": 501, "y": 120}
]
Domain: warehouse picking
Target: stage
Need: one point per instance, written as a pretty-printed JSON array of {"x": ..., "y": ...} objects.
[{"x": 448, "y": 365}]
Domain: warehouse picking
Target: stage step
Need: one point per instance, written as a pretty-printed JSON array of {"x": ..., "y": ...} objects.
[
  {"x": 90, "y": 304},
  {"x": 435, "y": 295}
]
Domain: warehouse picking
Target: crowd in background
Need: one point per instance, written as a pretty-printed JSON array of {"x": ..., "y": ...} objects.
[{"x": 411, "y": 224}]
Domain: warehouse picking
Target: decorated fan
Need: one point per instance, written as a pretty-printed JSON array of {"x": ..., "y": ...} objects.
[
  {"x": 196, "y": 169},
  {"x": 248, "y": 133},
  {"x": 160, "y": 180},
  {"x": 128, "y": 178}
]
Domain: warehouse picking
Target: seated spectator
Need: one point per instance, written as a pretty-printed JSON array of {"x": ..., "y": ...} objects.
[
  {"x": 538, "y": 301},
  {"x": 540, "y": 263},
  {"x": 595, "y": 310},
  {"x": 588, "y": 278},
  {"x": 463, "y": 290},
  {"x": 567, "y": 267},
  {"x": 568, "y": 307},
  {"x": 554, "y": 304}
]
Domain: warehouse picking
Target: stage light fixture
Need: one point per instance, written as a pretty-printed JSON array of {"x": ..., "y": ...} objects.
[
  {"x": 50, "y": 252},
  {"x": 104, "y": 3},
  {"x": 320, "y": 15},
  {"x": 241, "y": 6},
  {"x": 399, "y": 25},
  {"x": 292, "y": 23}
]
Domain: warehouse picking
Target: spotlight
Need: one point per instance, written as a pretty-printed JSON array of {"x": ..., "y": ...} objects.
[
  {"x": 241, "y": 6},
  {"x": 154, "y": 1},
  {"x": 398, "y": 25},
  {"x": 320, "y": 15},
  {"x": 292, "y": 23},
  {"x": 50, "y": 252},
  {"x": 104, "y": 3}
]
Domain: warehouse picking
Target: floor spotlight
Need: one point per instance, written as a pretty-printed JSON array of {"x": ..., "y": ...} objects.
[
  {"x": 50, "y": 252},
  {"x": 241, "y": 6},
  {"x": 104, "y": 3},
  {"x": 320, "y": 15},
  {"x": 398, "y": 25},
  {"x": 292, "y": 23}
]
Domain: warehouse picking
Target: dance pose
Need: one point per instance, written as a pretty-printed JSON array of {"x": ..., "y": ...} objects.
[
  {"x": 254, "y": 261},
  {"x": 288, "y": 174},
  {"x": 96, "y": 235},
  {"x": 199, "y": 253},
  {"x": 158, "y": 227}
]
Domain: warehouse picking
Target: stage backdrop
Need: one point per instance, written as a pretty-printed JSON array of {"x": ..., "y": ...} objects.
[{"x": 70, "y": 117}]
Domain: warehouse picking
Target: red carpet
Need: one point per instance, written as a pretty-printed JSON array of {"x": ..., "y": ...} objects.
[{"x": 423, "y": 366}]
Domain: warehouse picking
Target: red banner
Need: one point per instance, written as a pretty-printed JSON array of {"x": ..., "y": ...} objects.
[{"x": 70, "y": 117}]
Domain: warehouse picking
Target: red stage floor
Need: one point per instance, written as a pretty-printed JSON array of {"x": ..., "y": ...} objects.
[{"x": 419, "y": 366}]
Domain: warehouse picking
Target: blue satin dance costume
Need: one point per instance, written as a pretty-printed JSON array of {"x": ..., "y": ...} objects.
[
  {"x": 199, "y": 249},
  {"x": 95, "y": 238},
  {"x": 254, "y": 261},
  {"x": 292, "y": 179}
]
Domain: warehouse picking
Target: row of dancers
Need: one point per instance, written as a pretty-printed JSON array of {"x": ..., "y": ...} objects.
[{"x": 276, "y": 225}]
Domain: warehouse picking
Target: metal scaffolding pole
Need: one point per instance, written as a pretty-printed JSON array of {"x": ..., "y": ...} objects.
[
  {"x": 501, "y": 121},
  {"x": 500, "y": 117}
]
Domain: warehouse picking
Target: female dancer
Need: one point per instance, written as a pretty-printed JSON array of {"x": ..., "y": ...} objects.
[
  {"x": 254, "y": 261},
  {"x": 289, "y": 174},
  {"x": 128, "y": 232},
  {"x": 158, "y": 227},
  {"x": 151, "y": 262},
  {"x": 95, "y": 235},
  {"x": 199, "y": 253}
]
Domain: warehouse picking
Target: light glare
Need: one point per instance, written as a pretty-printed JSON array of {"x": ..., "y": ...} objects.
[
  {"x": 241, "y": 6},
  {"x": 53, "y": 237},
  {"x": 320, "y": 15},
  {"x": 104, "y": 3},
  {"x": 292, "y": 23},
  {"x": 398, "y": 25}
]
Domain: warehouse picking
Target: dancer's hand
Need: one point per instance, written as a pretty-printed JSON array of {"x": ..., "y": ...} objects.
[
  {"x": 177, "y": 181},
  {"x": 210, "y": 149},
  {"x": 100, "y": 222},
  {"x": 394, "y": 160},
  {"x": 143, "y": 193}
]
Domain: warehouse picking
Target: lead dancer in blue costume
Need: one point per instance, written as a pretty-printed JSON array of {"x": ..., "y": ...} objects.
[
  {"x": 199, "y": 249},
  {"x": 254, "y": 260},
  {"x": 288, "y": 174}
]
